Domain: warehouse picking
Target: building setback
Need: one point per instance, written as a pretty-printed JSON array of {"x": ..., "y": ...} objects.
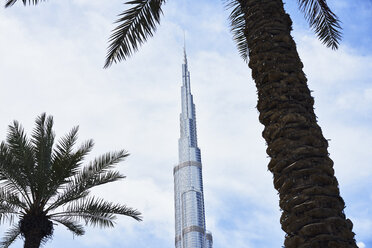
[{"x": 188, "y": 181}]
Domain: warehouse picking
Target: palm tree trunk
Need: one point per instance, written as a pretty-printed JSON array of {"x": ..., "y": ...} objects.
[
  {"x": 312, "y": 207},
  {"x": 33, "y": 239}
]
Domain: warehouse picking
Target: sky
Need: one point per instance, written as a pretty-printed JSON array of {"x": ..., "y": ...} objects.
[{"x": 51, "y": 60}]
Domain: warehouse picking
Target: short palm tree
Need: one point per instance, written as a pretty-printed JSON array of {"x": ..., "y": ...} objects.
[{"x": 43, "y": 184}]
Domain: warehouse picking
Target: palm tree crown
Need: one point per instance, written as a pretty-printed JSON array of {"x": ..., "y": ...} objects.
[{"x": 44, "y": 184}]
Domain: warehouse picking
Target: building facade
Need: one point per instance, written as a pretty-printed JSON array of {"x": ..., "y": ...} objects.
[{"x": 188, "y": 181}]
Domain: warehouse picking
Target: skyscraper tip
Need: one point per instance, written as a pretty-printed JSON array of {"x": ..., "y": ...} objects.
[{"x": 184, "y": 48}]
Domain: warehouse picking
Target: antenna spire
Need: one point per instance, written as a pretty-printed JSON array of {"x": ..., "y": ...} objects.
[{"x": 184, "y": 48}]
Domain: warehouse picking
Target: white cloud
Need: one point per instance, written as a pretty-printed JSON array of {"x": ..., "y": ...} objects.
[{"x": 361, "y": 245}]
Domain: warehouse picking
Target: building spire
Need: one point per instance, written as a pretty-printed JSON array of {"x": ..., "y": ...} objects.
[{"x": 184, "y": 48}]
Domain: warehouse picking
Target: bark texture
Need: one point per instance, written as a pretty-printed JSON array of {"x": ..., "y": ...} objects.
[
  {"x": 35, "y": 228},
  {"x": 32, "y": 239},
  {"x": 312, "y": 208}
]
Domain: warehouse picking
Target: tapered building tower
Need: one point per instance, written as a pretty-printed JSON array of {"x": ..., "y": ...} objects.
[{"x": 188, "y": 181}]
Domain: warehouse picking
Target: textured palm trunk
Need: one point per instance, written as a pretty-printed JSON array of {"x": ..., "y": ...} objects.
[
  {"x": 33, "y": 239},
  {"x": 35, "y": 227},
  {"x": 312, "y": 209}
]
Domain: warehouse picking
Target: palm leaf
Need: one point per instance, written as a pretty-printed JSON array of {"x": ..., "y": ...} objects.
[
  {"x": 66, "y": 143},
  {"x": 97, "y": 212},
  {"x": 66, "y": 161},
  {"x": 96, "y": 173},
  {"x": 12, "y": 199},
  {"x": 237, "y": 24},
  {"x": 323, "y": 21},
  {"x": 19, "y": 148},
  {"x": 7, "y": 212},
  {"x": 10, "y": 236},
  {"x": 65, "y": 165},
  {"x": 43, "y": 139},
  {"x": 6, "y": 216},
  {"x": 25, "y": 2},
  {"x": 17, "y": 161},
  {"x": 10, "y": 184},
  {"x": 135, "y": 25},
  {"x": 71, "y": 225}
]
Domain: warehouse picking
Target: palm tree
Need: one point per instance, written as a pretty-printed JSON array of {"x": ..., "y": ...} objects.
[
  {"x": 312, "y": 208},
  {"x": 43, "y": 184}
]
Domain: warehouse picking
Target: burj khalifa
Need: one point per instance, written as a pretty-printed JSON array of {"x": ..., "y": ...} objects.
[{"x": 188, "y": 181}]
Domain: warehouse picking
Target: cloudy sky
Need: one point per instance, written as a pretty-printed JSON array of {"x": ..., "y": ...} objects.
[{"x": 51, "y": 59}]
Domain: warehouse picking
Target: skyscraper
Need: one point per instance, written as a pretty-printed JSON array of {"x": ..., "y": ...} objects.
[{"x": 188, "y": 181}]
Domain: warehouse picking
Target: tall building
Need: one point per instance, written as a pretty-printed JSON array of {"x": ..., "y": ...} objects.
[{"x": 188, "y": 181}]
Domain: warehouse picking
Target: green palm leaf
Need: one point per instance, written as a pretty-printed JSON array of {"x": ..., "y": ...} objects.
[
  {"x": 10, "y": 236},
  {"x": 25, "y": 2},
  {"x": 12, "y": 199},
  {"x": 43, "y": 139},
  {"x": 323, "y": 21},
  {"x": 237, "y": 23},
  {"x": 135, "y": 25},
  {"x": 97, "y": 212},
  {"x": 66, "y": 163},
  {"x": 65, "y": 166},
  {"x": 17, "y": 162},
  {"x": 71, "y": 225},
  {"x": 19, "y": 150},
  {"x": 66, "y": 143},
  {"x": 7, "y": 212},
  {"x": 97, "y": 173}
]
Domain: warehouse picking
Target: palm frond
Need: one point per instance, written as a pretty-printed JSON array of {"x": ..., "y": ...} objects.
[
  {"x": 7, "y": 213},
  {"x": 237, "y": 25},
  {"x": 12, "y": 198},
  {"x": 16, "y": 161},
  {"x": 10, "y": 236},
  {"x": 323, "y": 21},
  {"x": 19, "y": 145},
  {"x": 11, "y": 183},
  {"x": 25, "y": 2},
  {"x": 65, "y": 159},
  {"x": 104, "y": 163},
  {"x": 66, "y": 163},
  {"x": 71, "y": 225},
  {"x": 135, "y": 25},
  {"x": 10, "y": 205},
  {"x": 96, "y": 173},
  {"x": 97, "y": 212},
  {"x": 66, "y": 143},
  {"x": 43, "y": 139},
  {"x": 11, "y": 186}
]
